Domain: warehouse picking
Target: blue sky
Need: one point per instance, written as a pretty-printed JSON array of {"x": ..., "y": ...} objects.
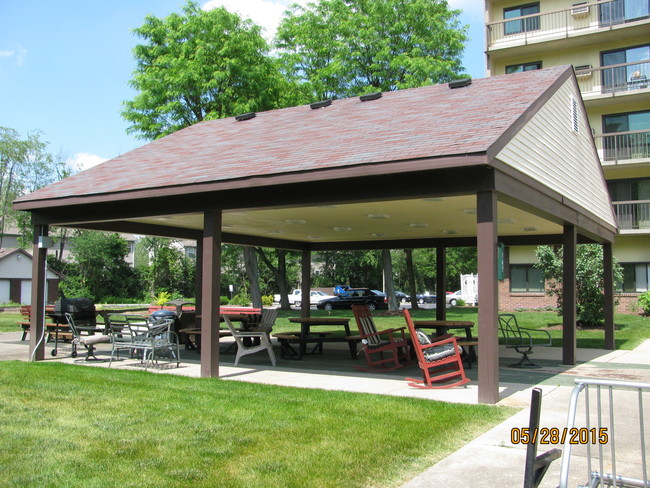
[{"x": 65, "y": 66}]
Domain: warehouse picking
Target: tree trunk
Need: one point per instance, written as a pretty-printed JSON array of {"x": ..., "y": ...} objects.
[
  {"x": 253, "y": 274},
  {"x": 388, "y": 280},
  {"x": 410, "y": 273},
  {"x": 280, "y": 272}
]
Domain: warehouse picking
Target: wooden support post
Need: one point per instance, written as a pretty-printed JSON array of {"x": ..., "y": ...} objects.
[
  {"x": 570, "y": 242},
  {"x": 486, "y": 237},
  {"x": 211, "y": 294},
  {"x": 305, "y": 288},
  {"x": 198, "y": 282},
  {"x": 608, "y": 283},
  {"x": 39, "y": 285},
  {"x": 441, "y": 283}
]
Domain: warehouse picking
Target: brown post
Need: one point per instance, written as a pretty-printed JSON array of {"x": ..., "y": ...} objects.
[
  {"x": 488, "y": 309},
  {"x": 198, "y": 282},
  {"x": 305, "y": 287},
  {"x": 570, "y": 242},
  {"x": 608, "y": 283},
  {"x": 441, "y": 283},
  {"x": 39, "y": 279},
  {"x": 210, "y": 294}
]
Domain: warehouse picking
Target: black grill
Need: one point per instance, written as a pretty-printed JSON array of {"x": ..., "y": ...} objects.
[{"x": 82, "y": 310}]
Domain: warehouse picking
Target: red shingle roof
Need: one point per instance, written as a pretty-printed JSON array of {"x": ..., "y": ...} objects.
[{"x": 425, "y": 122}]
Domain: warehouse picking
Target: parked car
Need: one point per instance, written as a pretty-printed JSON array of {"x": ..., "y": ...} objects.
[
  {"x": 402, "y": 297},
  {"x": 355, "y": 296},
  {"x": 451, "y": 298},
  {"x": 426, "y": 298}
]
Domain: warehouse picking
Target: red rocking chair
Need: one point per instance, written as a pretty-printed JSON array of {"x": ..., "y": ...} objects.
[
  {"x": 377, "y": 343},
  {"x": 439, "y": 360}
]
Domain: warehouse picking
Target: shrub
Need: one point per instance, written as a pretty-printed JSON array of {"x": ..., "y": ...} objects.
[
  {"x": 241, "y": 299},
  {"x": 644, "y": 302},
  {"x": 267, "y": 300},
  {"x": 162, "y": 298},
  {"x": 224, "y": 300}
]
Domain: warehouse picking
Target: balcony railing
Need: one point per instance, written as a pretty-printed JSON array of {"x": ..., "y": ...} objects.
[
  {"x": 616, "y": 78},
  {"x": 623, "y": 146},
  {"x": 633, "y": 215},
  {"x": 576, "y": 20}
]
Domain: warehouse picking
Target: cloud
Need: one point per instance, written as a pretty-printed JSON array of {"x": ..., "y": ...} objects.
[
  {"x": 6, "y": 54},
  {"x": 17, "y": 55},
  {"x": 265, "y": 13},
  {"x": 82, "y": 161}
]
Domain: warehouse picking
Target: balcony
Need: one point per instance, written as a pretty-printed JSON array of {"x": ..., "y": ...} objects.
[
  {"x": 633, "y": 215},
  {"x": 578, "y": 20},
  {"x": 623, "y": 147},
  {"x": 617, "y": 79}
]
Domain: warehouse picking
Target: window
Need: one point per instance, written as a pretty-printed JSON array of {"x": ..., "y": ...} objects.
[
  {"x": 631, "y": 200},
  {"x": 190, "y": 252},
  {"x": 518, "y": 68},
  {"x": 619, "y": 11},
  {"x": 633, "y": 76},
  {"x": 521, "y": 25},
  {"x": 634, "y": 140},
  {"x": 635, "y": 277},
  {"x": 526, "y": 278}
]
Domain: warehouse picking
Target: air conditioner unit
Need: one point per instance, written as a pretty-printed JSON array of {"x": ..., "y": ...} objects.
[
  {"x": 583, "y": 71},
  {"x": 580, "y": 10}
]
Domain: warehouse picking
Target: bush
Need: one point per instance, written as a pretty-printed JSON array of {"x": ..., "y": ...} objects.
[
  {"x": 267, "y": 300},
  {"x": 644, "y": 302},
  {"x": 241, "y": 299},
  {"x": 224, "y": 300}
]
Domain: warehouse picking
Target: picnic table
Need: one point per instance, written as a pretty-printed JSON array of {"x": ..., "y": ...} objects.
[{"x": 306, "y": 335}]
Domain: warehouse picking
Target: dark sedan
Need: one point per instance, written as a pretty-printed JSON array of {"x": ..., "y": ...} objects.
[{"x": 356, "y": 296}]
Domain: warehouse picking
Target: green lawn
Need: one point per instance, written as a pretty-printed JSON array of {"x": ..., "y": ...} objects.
[{"x": 72, "y": 426}]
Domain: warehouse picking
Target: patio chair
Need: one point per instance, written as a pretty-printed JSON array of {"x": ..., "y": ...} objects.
[
  {"x": 127, "y": 333},
  {"x": 440, "y": 359},
  {"x": 88, "y": 341},
  {"x": 377, "y": 343},
  {"x": 521, "y": 339},
  {"x": 244, "y": 349}
]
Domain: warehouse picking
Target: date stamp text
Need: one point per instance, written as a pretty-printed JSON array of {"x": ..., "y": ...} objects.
[{"x": 543, "y": 435}]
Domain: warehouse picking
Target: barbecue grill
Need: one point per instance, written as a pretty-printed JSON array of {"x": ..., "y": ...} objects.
[{"x": 82, "y": 310}]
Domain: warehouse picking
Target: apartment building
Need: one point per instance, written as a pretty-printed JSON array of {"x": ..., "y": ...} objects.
[{"x": 608, "y": 44}]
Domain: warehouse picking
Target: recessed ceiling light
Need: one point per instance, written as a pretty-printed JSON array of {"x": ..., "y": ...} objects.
[
  {"x": 506, "y": 221},
  {"x": 378, "y": 216},
  {"x": 227, "y": 226},
  {"x": 418, "y": 225},
  {"x": 433, "y": 199},
  {"x": 296, "y": 221},
  {"x": 274, "y": 232},
  {"x": 342, "y": 229},
  {"x": 469, "y": 210},
  {"x": 378, "y": 234},
  {"x": 315, "y": 237},
  {"x": 449, "y": 232},
  {"x": 530, "y": 229}
]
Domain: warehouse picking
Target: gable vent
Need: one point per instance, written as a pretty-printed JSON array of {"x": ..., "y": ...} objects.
[
  {"x": 460, "y": 83},
  {"x": 370, "y": 96},
  {"x": 247, "y": 116},
  {"x": 321, "y": 104},
  {"x": 575, "y": 111}
]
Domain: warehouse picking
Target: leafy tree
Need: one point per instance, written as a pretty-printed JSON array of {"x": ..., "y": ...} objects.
[
  {"x": 589, "y": 279},
  {"x": 342, "y": 48},
  {"x": 355, "y": 268},
  {"x": 98, "y": 269},
  {"x": 199, "y": 65},
  {"x": 165, "y": 268}
]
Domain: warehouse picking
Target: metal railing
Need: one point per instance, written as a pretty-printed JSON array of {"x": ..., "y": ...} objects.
[
  {"x": 623, "y": 146},
  {"x": 606, "y": 435},
  {"x": 563, "y": 23},
  {"x": 633, "y": 214},
  {"x": 625, "y": 77}
]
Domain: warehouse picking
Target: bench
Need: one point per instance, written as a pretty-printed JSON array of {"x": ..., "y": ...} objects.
[
  {"x": 317, "y": 338},
  {"x": 26, "y": 322}
]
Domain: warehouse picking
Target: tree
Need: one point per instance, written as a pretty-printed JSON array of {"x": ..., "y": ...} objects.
[
  {"x": 589, "y": 279},
  {"x": 342, "y": 48},
  {"x": 196, "y": 66}
]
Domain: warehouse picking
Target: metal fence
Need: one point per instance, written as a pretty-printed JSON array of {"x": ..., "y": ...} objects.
[
  {"x": 623, "y": 146},
  {"x": 633, "y": 214}
]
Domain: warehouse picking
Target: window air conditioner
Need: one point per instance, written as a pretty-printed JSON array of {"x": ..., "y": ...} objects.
[
  {"x": 580, "y": 10},
  {"x": 583, "y": 71}
]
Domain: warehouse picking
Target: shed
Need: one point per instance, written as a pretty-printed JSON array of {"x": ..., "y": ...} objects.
[
  {"x": 503, "y": 159},
  {"x": 16, "y": 277}
]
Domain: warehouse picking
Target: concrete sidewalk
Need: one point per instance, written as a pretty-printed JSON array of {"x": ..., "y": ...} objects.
[{"x": 489, "y": 460}]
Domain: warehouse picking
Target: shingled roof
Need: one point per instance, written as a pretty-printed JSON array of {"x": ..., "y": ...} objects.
[{"x": 413, "y": 124}]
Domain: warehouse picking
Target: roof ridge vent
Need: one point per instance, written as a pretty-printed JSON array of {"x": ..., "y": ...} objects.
[
  {"x": 321, "y": 104},
  {"x": 370, "y": 96},
  {"x": 247, "y": 116},
  {"x": 460, "y": 83}
]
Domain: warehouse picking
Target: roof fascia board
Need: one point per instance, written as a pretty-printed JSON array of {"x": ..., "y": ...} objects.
[{"x": 340, "y": 173}]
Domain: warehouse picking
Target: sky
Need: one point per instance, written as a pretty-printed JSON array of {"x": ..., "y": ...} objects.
[{"x": 65, "y": 66}]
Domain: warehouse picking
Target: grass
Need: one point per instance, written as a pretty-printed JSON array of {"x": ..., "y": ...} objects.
[{"x": 72, "y": 426}]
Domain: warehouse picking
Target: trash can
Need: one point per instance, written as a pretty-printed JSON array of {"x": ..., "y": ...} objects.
[{"x": 160, "y": 315}]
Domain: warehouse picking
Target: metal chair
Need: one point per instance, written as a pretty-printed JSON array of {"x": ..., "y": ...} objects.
[
  {"x": 244, "y": 349},
  {"x": 88, "y": 341},
  {"x": 376, "y": 343},
  {"x": 521, "y": 339},
  {"x": 439, "y": 360}
]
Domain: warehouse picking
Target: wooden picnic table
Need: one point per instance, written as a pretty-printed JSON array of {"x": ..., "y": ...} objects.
[{"x": 306, "y": 335}]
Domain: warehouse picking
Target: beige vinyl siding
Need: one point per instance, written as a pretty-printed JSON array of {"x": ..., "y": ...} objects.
[{"x": 549, "y": 151}]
